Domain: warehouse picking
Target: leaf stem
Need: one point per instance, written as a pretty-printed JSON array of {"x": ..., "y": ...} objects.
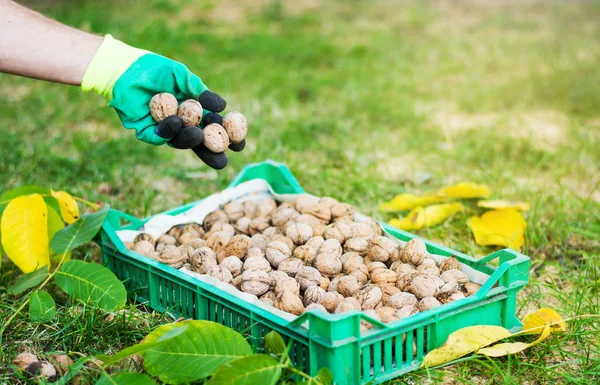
[{"x": 93, "y": 205}]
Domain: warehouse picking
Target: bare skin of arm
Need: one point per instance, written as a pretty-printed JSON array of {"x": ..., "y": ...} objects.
[{"x": 35, "y": 46}]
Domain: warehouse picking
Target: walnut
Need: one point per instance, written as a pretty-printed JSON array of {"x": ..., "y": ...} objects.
[
  {"x": 456, "y": 276},
  {"x": 255, "y": 252},
  {"x": 339, "y": 230},
  {"x": 266, "y": 207},
  {"x": 233, "y": 264},
  {"x": 347, "y": 304},
  {"x": 62, "y": 362},
  {"x": 129, "y": 245},
  {"x": 237, "y": 282},
  {"x": 299, "y": 233},
  {"x": 450, "y": 263},
  {"x": 269, "y": 295},
  {"x": 361, "y": 275},
  {"x": 387, "y": 314},
  {"x": 171, "y": 256},
  {"x": 310, "y": 220},
  {"x": 439, "y": 281},
  {"x": 257, "y": 263},
  {"x": 190, "y": 111},
  {"x": 369, "y": 296},
  {"x": 215, "y": 138},
  {"x": 214, "y": 217},
  {"x": 387, "y": 292},
  {"x": 330, "y": 301},
  {"x": 470, "y": 288},
  {"x": 258, "y": 225},
  {"x": 308, "y": 276},
  {"x": 255, "y": 282},
  {"x": 454, "y": 297},
  {"x": 218, "y": 240},
  {"x": 429, "y": 261},
  {"x": 195, "y": 229},
  {"x": 313, "y": 294},
  {"x": 283, "y": 214},
  {"x": 47, "y": 370},
  {"x": 23, "y": 360},
  {"x": 166, "y": 239},
  {"x": 357, "y": 245},
  {"x": 163, "y": 105},
  {"x": 234, "y": 211},
  {"x": 380, "y": 248},
  {"x": 236, "y": 126},
  {"x": 414, "y": 252},
  {"x": 406, "y": 311},
  {"x": 243, "y": 225},
  {"x": 334, "y": 281},
  {"x": 428, "y": 303},
  {"x": 287, "y": 284},
  {"x": 362, "y": 230},
  {"x": 175, "y": 231},
  {"x": 221, "y": 273},
  {"x": 340, "y": 210},
  {"x": 303, "y": 201},
  {"x": 238, "y": 245},
  {"x": 277, "y": 252},
  {"x": 202, "y": 259},
  {"x": 250, "y": 209},
  {"x": 221, "y": 227},
  {"x": 289, "y": 302},
  {"x": 186, "y": 251},
  {"x": 383, "y": 277},
  {"x": 319, "y": 211},
  {"x": 330, "y": 248},
  {"x": 328, "y": 265},
  {"x": 259, "y": 241},
  {"x": 308, "y": 251},
  {"x": 372, "y": 313},
  {"x": 186, "y": 238},
  {"x": 374, "y": 266},
  {"x": 291, "y": 266},
  {"x": 422, "y": 287},
  {"x": 402, "y": 299},
  {"x": 429, "y": 270},
  {"x": 195, "y": 243},
  {"x": 348, "y": 285},
  {"x": 315, "y": 307},
  {"x": 324, "y": 284},
  {"x": 288, "y": 241},
  {"x": 272, "y": 232},
  {"x": 144, "y": 237},
  {"x": 143, "y": 247},
  {"x": 328, "y": 201},
  {"x": 269, "y": 301},
  {"x": 277, "y": 276},
  {"x": 403, "y": 282}
]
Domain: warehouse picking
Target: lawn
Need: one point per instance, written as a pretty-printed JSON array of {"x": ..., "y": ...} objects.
[{"x": 362, "y": 100}]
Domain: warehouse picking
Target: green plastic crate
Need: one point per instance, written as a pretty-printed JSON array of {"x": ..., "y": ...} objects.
[{"x": 330, "y": 340}]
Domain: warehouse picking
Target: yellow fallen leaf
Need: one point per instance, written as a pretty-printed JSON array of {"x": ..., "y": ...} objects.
[
  {"x": 421, "y": 217},
  {"x": 465, "y": 190},
  {"x": 535, "y": 323},
  {"x": 505, "y": 227},
  {"x": 506, "y": 348},
  {"x": 500, "y": 204},
  {"x": 24, "y": 228},
  {"x": 405, "y": 202},
  {"x": 464, "y": 341},
  {"x": 68, "y": 207}
]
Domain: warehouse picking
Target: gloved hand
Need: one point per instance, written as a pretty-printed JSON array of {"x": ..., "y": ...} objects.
[{"x": 129, "y": 77}]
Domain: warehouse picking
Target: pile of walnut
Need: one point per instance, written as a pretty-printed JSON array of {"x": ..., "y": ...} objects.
[{"x": 311, "y": 254}]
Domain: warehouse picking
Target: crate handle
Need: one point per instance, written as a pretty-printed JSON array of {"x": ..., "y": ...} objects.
[{"x": 510, "y": 259}]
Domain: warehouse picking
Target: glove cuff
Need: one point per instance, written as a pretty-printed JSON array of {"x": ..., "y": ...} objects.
[{"x": 111, "y": 60}]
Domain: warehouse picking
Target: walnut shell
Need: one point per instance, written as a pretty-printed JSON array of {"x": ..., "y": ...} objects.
[
  {"x": 313, "y": 294},
  {"x": 277, "y": 252},
  {"x": 288, "y": 241},
  {"x": 175, "y": 231},
  {"x": 383, "y": 277},
  {"x": 361, "y": 275},
  {"x": 272, "y": 232},
  {"x": 305, "y": 253},
  {"x": 291, "y": 266},
  {"x": 402, "y": 268},
  {"x": 308, "y": 276},
  {"x": 450, "y": 263},
  {"x": 380, "y": 248},
  {"x": 456, "y": 276},
  {"x": 387, "y": 292},
  {"x": 369, "y": 296},
  {"x": 190, "y": 111},
  {"x": 324, "y": 284},
  {"x": 172, "y": 256},
  {"x": 234, "y": 211},
  {"x": 387, "y": 314},
  {"x": 347, "y": 304},
  {"x": 287, "y": 284},
  {"x": 283, "y": 214},
  {"x": 242, "y": 225},
  {"x": 340, "y": 210},
  {"x": 186, "y": 238},
  {"x": 259, "y": 241},
  {"x": 23, "y": 360},
  {"x": 339, "y": 230},
  {"x": 214, "y": 217},
  {"x": 422, "y": 287},
  {"x": 374, "y": 266},
  {"x": 215, "y": 138},
  {"x": 453, "y": 297},
  {"x": 269, "y": 301},
  {"x": 195, "y": 243},
  {"x": 221, "y": 273},
  {"x": 320, "y": 211},
  {"x": 257, "y": 263},
  {"x": 255, "y": 252},
  {"x": 303, "y": 201},
  {"x": 289, "y": 303},
  {"x": 145, "y": 237},
  {"x": 362, "y": 230},
  {"x": 327, "y": 265},
  {"x": 186, "y": 251},
  {"x": 236, "y": 126},
  {"x": 365, "y": 325},
  {"x": 428, "y": 303},
  {"x": 47, "y": 370},
  {"x": 218, "y": 240},
  {"x": 255, "y": 282},
  {"x": 315, "y": 307},
  {"x": 357, "y": 245},
  {"x": 220, "y": 227},
  {"x": 334, "y": 281},
  {"x": 270, "y": 295},
  {"x": 238, "y": 245},
  {"x": 233, "y": 264},
  {"x": 129, "y": 245},
  {"x": 402, "y": 299},
  {"x": 414, "y": 252},
  {"x": 429, "y": 270},
  {"x": 266, "y": 207},
  {"x": 250, "y": 209},
  {"x": 348, "y": 285},
  {"x": 258, "y": 225},
  {"x": 328, "y": 201},
  {"x": 277, "y": 276},
  {"x": 470, "y": 288},
  {"x": 163, "y": 105},
  {"x": 202, "y": 259},
  {"x": 353, "y": 261},
  {"x": 403, "y": 282},
  {"x": 143, "y": 247},
  {"x": 331, "y": 248},
  {"x": 299, "y": 233},
  {"x": 166, "y": 239},
  {"x": 406, "y": 311},
  {"x": 330, "y": 301}
]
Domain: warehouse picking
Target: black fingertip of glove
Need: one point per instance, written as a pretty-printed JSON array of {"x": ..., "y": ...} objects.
[
  {"x": 218, "y": 161},
  {"x": 169, "y": 127},
  {"x": 212, "y": 102},
  {"x": 237, "y": 147},
  {"x": 189, "y": 137},
  {"x": 212, "y": 117}
]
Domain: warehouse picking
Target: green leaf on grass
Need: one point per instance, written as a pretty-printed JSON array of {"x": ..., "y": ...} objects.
[
  {"x": 81, "y": 231},
  {"x": 41, "y": 306},
  {"x": 55, "y": 224},
  {"x": 125, "y": 379},
  {"x": 255, "y": 369},
  {"x": 194, "y": 354},
  {"x": 274, "y": 344},
  {"x": 91, "y": 283},
  {"x": 29, "y": 280}
]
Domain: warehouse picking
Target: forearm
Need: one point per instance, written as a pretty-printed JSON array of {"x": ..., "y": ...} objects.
[{"x": 37, "y": 47}]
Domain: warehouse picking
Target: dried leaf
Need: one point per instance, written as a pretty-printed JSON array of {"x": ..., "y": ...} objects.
[
  {"x": 428, "y": 216},
  {"x": 68, "y": 207},
  {"x": 405, "y": 202},
  {"x": 504, "y": 227},
  {"x": 506, "y": 348},
  {"x": 501, "y": 204},
  {"x": 535, "y": 323},
  {"x": 465, "y": 190},
  {"x": 464, "y": 341}
]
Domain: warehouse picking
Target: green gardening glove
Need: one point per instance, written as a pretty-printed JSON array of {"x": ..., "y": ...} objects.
[{"x": 129, "y": 77}]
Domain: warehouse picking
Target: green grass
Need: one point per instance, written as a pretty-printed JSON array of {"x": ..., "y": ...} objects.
[{"x": 357, "y": 98}]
